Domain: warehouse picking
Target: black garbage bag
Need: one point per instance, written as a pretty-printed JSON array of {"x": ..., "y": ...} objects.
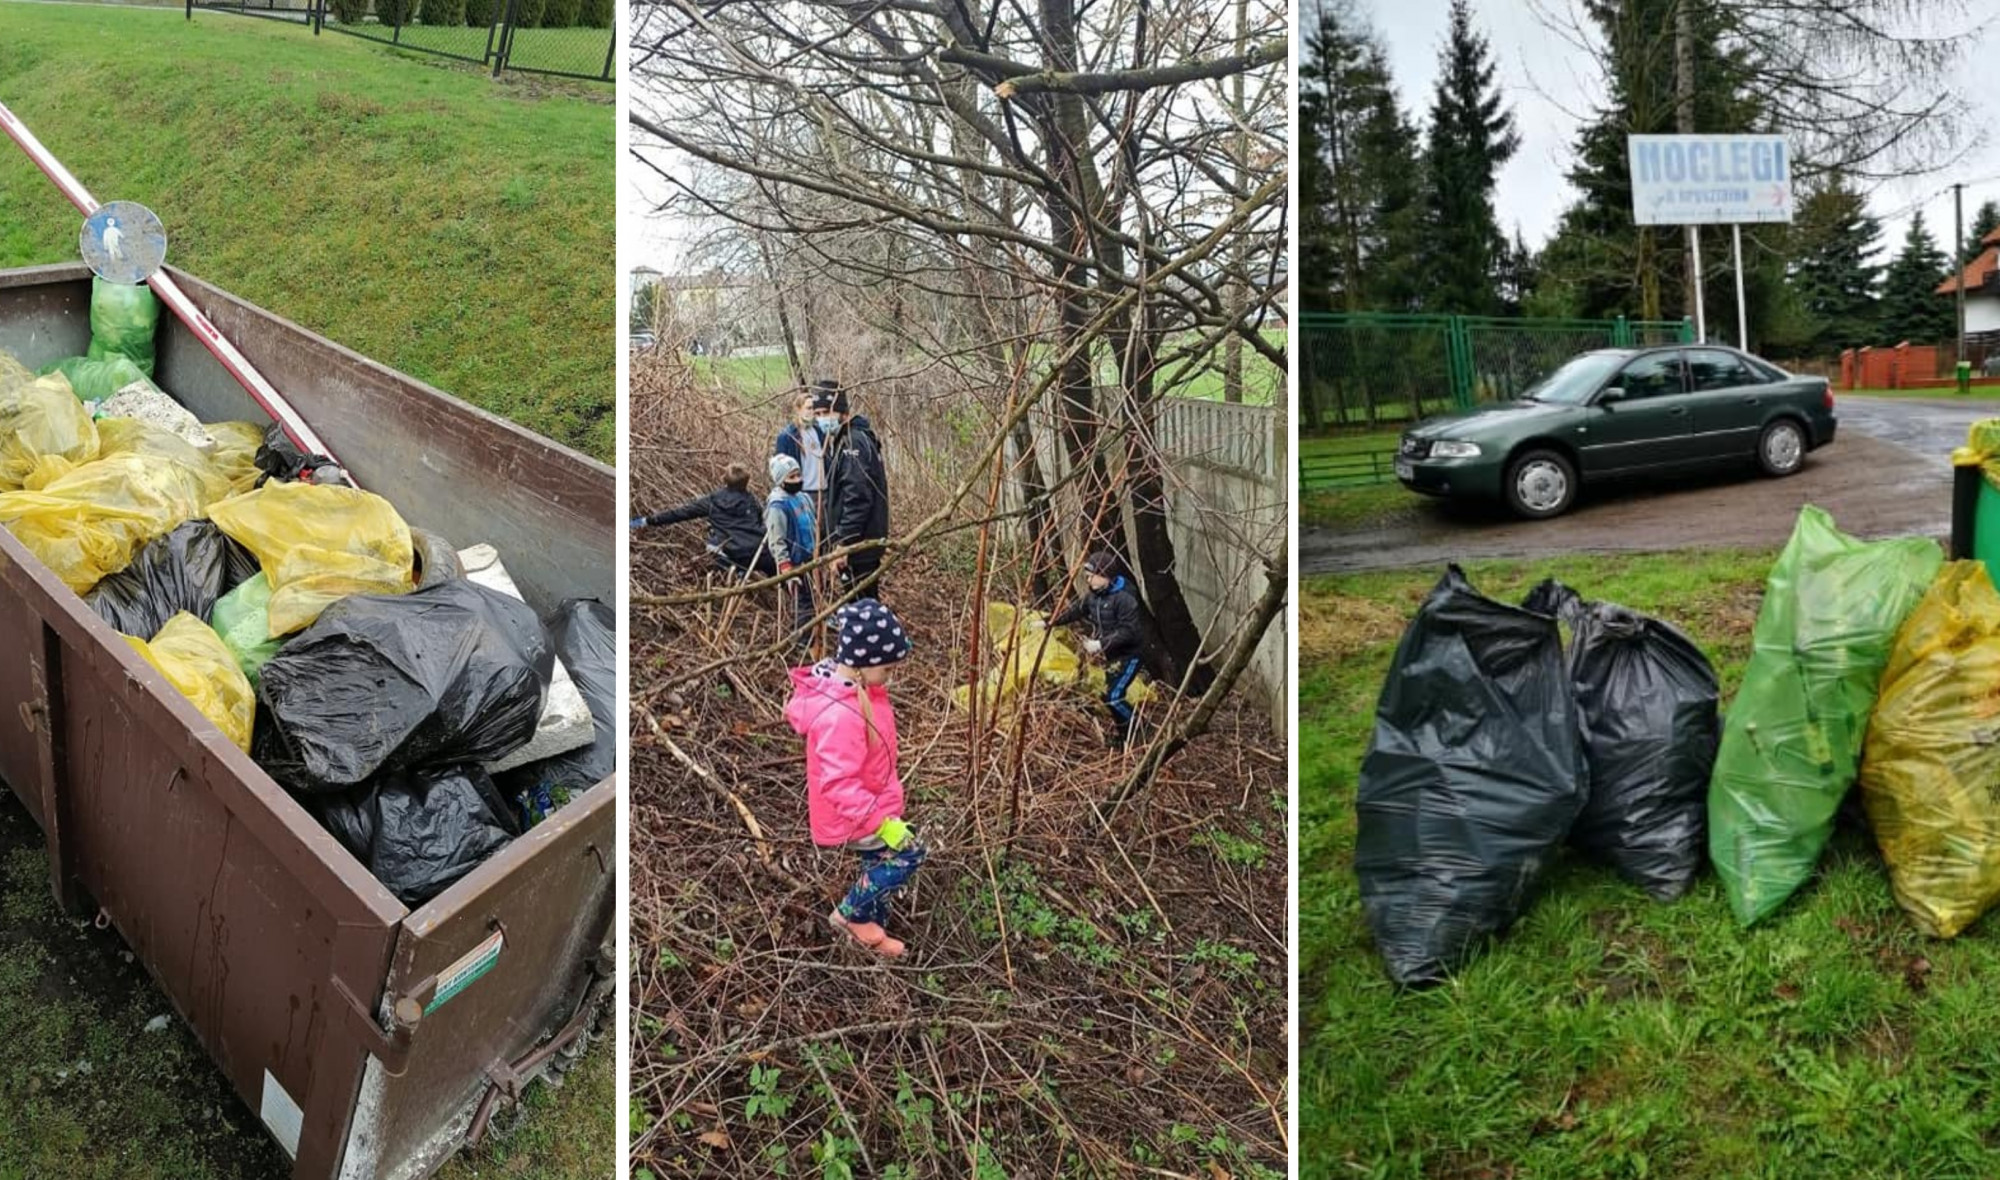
[
  {"x": 418, "y": 832},
  {"x": 585, "y": 634},
  {"x": 449, "y": 674},
  {"x": 186, "y": 570},
  {"x": 1646, "y": 698},
  {"x": 281, "y": 459},
  {"x": 1471, "y": 781}
]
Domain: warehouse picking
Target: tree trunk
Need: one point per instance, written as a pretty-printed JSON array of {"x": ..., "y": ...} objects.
[{"x": 784, "y": 317}]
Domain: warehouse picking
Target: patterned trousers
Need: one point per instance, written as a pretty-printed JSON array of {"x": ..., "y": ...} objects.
[{"x": 884, "y": 870}]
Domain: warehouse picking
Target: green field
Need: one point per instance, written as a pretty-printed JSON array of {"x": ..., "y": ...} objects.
[
  {"x": 771, "y": 374},
  {"x": 454, "y": 227},
  {"x": 1608, "y": 1035},
  {"x": 444, "y": 224}
]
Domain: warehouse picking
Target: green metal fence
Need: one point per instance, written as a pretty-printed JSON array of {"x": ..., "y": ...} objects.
[{"x": 1369, "y": 369}]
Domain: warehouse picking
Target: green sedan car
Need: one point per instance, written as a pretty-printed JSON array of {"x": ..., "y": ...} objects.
[{"x": 1619, "y": 412}]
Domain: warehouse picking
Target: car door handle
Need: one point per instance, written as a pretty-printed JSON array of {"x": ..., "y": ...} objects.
[
  {"x": 1750, "y": 401},
  {"x": 1677, "y": 411}
]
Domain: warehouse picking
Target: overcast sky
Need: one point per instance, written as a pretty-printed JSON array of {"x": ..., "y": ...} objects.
[{"x": 1553, "y": 85}]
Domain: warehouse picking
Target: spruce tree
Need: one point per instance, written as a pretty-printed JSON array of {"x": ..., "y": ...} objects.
[
  {"x": 1471, "y": 136},
  {"x": 1984, "y": 222},
  {"x": 1604, "y": 263},
  {"x": 1359, "y": 177},
  {"x": 1912, "y": 309},
  {"x": 1833, "y": 269}
]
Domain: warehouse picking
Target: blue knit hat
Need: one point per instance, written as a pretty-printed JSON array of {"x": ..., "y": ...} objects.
[{"x": 870, "y": 635}]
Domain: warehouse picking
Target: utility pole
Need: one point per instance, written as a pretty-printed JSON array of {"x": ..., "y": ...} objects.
[{"x": 1958, "y": 259}]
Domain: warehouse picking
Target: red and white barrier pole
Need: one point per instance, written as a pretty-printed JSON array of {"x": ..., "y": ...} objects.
[{"x": 260, "y": 390}]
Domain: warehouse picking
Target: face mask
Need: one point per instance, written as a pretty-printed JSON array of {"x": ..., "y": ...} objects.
[
  {"x": 827, "y": 422},
  {"x": 794, "y": 486}
]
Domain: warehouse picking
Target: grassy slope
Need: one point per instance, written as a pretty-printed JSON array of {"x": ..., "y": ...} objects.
[
  {"x": 1607, "y": 1035},
  {"x": 419, "y": 213},
  {"x": 355, "y": 125}
]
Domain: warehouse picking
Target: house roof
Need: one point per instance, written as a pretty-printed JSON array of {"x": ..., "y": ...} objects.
[{"x": 1980, "y": 273}]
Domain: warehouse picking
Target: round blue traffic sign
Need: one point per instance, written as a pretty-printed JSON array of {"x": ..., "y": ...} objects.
[{"x": 123, "y": 242}]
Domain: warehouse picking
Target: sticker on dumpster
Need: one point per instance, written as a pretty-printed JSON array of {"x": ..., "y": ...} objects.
[
  {"x": 282, "y": 1115},
  {"x": 473, "y": 964}
]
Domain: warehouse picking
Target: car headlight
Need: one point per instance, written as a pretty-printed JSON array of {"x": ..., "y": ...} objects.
[{"x": 1455, "y": 450}]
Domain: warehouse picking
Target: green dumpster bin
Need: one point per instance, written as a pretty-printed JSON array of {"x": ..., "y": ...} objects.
[
  {"x": 1975, "y": 497},
  {"x": 1965, "y": 377}
]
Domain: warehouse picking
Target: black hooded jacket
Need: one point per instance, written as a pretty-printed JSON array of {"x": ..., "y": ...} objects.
[
  {"x": 735, "y": 523},
  {"x": 1114, "y": 620},
  {"x": 856, "y": 507}
]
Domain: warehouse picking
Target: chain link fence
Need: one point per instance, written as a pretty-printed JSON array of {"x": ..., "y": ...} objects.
[
  {"x": 1373, "y": 372},
  {"x": 1368, "y": 369},
  {"x": 561, "y": 38}
]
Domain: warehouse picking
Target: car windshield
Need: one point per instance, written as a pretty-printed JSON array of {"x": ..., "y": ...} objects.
[{"x": 1576, "y": 380}]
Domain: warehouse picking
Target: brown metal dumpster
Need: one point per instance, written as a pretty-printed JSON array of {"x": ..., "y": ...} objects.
[{"x": 368, "y": 1037}]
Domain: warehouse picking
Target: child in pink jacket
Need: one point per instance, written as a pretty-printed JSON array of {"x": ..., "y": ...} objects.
[{"x": 854, "y": 796}]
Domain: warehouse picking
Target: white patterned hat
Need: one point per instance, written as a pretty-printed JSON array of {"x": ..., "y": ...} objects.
[{"x": 870, "y": 635}]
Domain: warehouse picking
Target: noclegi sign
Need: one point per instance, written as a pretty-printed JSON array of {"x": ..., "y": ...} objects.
[{"x": 1709, "y": 179}]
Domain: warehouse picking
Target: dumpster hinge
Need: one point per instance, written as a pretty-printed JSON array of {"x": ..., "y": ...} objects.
[{"x": 391, "y": 1048}]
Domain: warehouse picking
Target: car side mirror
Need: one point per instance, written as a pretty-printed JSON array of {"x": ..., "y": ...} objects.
[{"x": 1613, "y": 394}]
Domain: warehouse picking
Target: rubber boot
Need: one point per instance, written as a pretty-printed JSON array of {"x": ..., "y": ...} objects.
[{"x": 869, "y": 935}]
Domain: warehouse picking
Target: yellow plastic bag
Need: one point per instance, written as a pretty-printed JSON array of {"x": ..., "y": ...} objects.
[
  {"x": 193, "y": 657},
  {"x": 12, "y": 371},
  {"x": 1932, "y": 756},
  {"x": 44, "y": 430},
  {"x": 319, "y": 544},
  {"x": 88, "y": 524},
  {"x": 1024, "y": 653},
  {"x": 236, "y": 445}
]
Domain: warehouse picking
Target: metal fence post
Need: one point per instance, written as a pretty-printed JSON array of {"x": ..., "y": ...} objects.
[
  {"x": 190, "y": 9},
  {"x": 1458, "y": 353},
  {"x": 610, "y": 51},
  {"x": 506, "y": 37},
  {"x": 1621, "y": 333}
]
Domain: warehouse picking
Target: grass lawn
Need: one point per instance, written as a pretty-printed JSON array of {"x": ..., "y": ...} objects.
[
  {"x": 452, "y": 227},
  {"x": 751, "y": 375},
  {"x": 1348, "y": 507},
  {"x": 1608, "y": 1035},
  {"x": 456, "y": 228},
  {"x": 576, "y": 51}
]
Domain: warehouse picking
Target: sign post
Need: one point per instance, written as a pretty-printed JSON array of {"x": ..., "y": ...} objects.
[
  {"x": 1742, "y": 318},
  {"x": 1696, "y": 180}
]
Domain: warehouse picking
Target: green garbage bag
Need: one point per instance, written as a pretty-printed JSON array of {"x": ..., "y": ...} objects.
[
  {"x": 1792, "y": 741},
  {"x": 243, "y": 618},
  {"x": 96, "y": 380},
  {"x": 122, "y": 322}
]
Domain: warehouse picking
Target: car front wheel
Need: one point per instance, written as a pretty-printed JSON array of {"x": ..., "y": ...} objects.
[
  {"x": 1541, "y": 484},
  {"x": 1781, "y": 449}
]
